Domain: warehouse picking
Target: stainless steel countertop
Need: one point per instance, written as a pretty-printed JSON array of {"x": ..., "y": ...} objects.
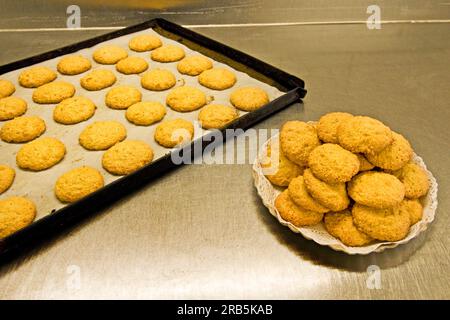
[{"x": 202, "y": 232}]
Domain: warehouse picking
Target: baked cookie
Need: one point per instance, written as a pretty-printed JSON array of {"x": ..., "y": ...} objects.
[
  {"x": 340, "y": 225},
  {"x": 376, "y": 189},
  {"x": 144, "y": 42},
  {"x": 328, "y": 125},
  {"x": 283, "y": 170},
  {"x": 22, "y": 129},
  {"x": 102, "y": 135},
  {"x": 40, "y": 154},
  {"x": 185, "y": 99},
  {"x": 331, "y": 163},
  {"x": 217, "y": 78},
  {"x": 414, "y": 208},
  {"x": 299, "y": 194},
  {"x": 132, "y": 65},
  {"x": 171, "y": 133},
  {"x": 109, "y": 54},
  {"x": 194, "y": 65},
  {"x": 364, "y": 164},
  {"x": 74, "y": 110},
  {"x": 36, "y": 76},
  {"x": 127, "y": 157},
  {"x": 11, "y": 107},
  {"x": 158, "y": 80},
  {"x": 249, "y": 98},
  {"x": 167, "y": 53},
  {"x": 394, "y": 156},
  {"x": 72, "y": 65},
  {"x": 216, "y": 116},
  {"x": 78, "y": 183},
  {"x": 415, "y": 180},
  {"x": 333, "y": 196},
  {"x": 98, "y": 79},
  {"x": 6, "y": 88},
  {"x": 297, "y": 140},
  {"x": 15, "y": 213},
  {"x": 145, "y": 113},
  {"x": 366, "y": 135},
  {"x": 389, "y": 224},
  {"x": 53, "y": 92},
  {"x": 121, "y": 97},
  {"x": 294, "y": 214},
  {"x": 7, "y": 175}
]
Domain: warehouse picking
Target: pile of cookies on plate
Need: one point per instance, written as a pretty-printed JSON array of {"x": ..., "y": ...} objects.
[{"x": 353, "y": 173}]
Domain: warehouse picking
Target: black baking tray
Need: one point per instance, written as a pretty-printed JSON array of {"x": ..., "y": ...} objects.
[{"x": 57, "y": 221}]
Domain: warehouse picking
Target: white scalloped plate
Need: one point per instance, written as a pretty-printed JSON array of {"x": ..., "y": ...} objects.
[{"x": 317, "y": 233}]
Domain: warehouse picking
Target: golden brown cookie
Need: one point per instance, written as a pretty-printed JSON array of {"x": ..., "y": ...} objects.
[
  {"x": 194, "y": 65},
  {"x": 98, "y": 79},
  {"x": 364, "y": 164},
  {"x": 216, "y": 116},
  {"x": 145, "y": 113},
  {"x": 394, "y": 156},
  {"x": 102, "y": 135},
  {"x": 249, "y": 98},
  {"x": 297, "y": 140},
  {"x": 121, "y": 97},
  {"x": 299, "y": 194},
  {"x": 127, "y": 157},
  {"x": 328, "y": 125},
  {"x": 74, "y": 110},
  {"x": 15, "y": 213},
  {"x": 331, "y": 163},
  {"x": 389, "y": 224},
  {"x": 185, "y": 99},
  {"x": 109, "y": 54},
  {"x": 376, "y": 189},
  {"x": 22, "y": 129},
  {"x": 414, "y": 208},
  {"x": 7, "y": 175},
  {"x": 53, "y": 92},
  {"x": 360, "y": 134},
  {"x": 294, "y": 214},
  {"x": 158, "y": 80},
  {"x": 217, "y": 78},
  {"x": 333, "y": 196},
  {"x": 36, "y": 76},
  {"x": 11, "y": 107},
  {"x": 72, "y": 65},
  {"x": 340, "y": 225},
  {"x": 78, "y": 183},
  {"x": 167, "y": 53},
  {"x": 6, "y": 88},
  {"x": 415, "y": 180},
  {"x": 132, "y": 65},
  {"x": 171, "y": 133},
  {"x": 144, "y": 42},
  {"x": 40, "y": 154}
]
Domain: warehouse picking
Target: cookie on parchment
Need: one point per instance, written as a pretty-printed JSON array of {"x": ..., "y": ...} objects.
[
  {"x": 36, "y": 76},
  {"x": 194, "y": 65},
  {"x": 15, "y": 213},
  {"x": 414, "y": 208},
  {"x": 294, "y": 214},
  {"x": 40, "y": 154},
  {"x": 340, "y": 225},
  {"x": 78, "y": 183},
  {"x": 144, "y": 42},
  {"x": 98, "y": 79},
  {"x": 217, "y": 78},
  {"x": 297, "y": 140},
  {"x": 158, "y": 80},
  {"x": 415, "y": 180},
  {"x": 185, "y": 99},
  {"x": 145, "y": 113},
  {"x": 109, "y": 54},
  {"x": 394, "y": 156},
  {"x": 171, "y": 133},
  {"x": 11, "y": 107},
  {"x": 167, "y": 53},
  {"x": 102, "y": 135},
  {"x": 6, "y": 88},
  {"x": 249, "y": 98},
  {"x": 122, "y": 97},
  {"x": 127, "y": 157},
  {"x": 53, "y": 92},
  {"x": 328, "y": 125},
  {"x": 132, "y": 65},
  {"x": 22, "y": 129},
  {"x": 74, "y": 110},
  {"x": 216, "y": 116},
  {"x": 364, "y": 164},
  {"x": 299, "y": 194},
  {"x": 7, "y": 175},
  {"x": 74, "y": 64}
]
